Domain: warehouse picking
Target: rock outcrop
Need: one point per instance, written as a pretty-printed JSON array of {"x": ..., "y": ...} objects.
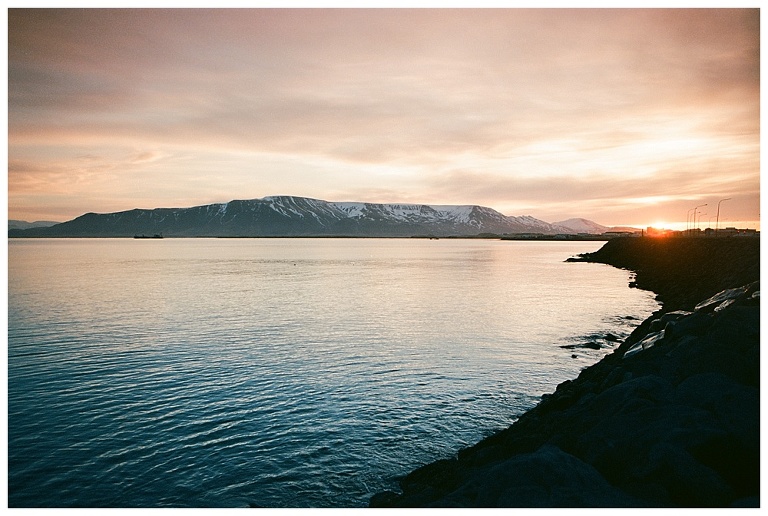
[
  {"x": 670, "y": 419},
  {"x": 683, "y": 271}
]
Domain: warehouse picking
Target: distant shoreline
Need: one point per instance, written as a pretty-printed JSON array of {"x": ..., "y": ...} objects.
[{"x": 481, "y": 236}]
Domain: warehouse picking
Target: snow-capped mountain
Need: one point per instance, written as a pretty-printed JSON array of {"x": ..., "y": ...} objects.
[
  {"x": 583, "y": 226},
  {"x": 299, "y": 216}
]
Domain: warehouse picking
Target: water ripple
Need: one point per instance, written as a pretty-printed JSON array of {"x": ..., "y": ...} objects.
[{"x": 229, "y": 377}]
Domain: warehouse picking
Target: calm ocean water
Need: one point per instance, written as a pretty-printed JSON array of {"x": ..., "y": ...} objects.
[{"x": 281, "y": 372}]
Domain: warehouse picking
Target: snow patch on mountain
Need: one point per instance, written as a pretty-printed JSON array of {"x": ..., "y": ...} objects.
[
  {"x": 578, "y": 225},
  {"x": 538, "y": 226},
  {"x": 458, "y": 213},
  {"x": 351, "y": 209}
]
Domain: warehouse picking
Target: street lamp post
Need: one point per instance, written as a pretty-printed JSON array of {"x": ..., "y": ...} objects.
[
  {"x": 687, "y": 225},
  {"x": 717, "y": 223},
  {"x": 694, "y": 211}
]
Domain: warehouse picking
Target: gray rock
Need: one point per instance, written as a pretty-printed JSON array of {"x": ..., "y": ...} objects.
[
  {"x": 648, "y": 342},
  {"x": 725, "y": 295},
  {"x": 548, "y": 477},
  {"x": 661, "y": 322},
  {"x": 696, "y": 323}
]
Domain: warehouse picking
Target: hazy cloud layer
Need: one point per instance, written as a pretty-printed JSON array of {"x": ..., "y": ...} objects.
[{"x": 555, "y": 112}]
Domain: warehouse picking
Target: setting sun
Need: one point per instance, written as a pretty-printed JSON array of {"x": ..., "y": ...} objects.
[{"x": 660, "y": 224}]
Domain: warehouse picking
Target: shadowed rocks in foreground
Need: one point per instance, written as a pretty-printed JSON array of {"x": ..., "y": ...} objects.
[{"x": 670, "y": 419}]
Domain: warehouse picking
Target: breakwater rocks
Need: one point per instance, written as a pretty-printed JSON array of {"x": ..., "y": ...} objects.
[
  {"x": 669, "y": 419},
  {"x": 683, "y": 271}
]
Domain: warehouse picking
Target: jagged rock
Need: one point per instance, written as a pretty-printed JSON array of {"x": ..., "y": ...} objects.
[
  {"x": 683, "y": 323},
  {"x": 661, "y": 322},
  {"x": 648, "y": 342},
  {"x": 728, "y": 295},
  {"x": 693, "y": 324}
]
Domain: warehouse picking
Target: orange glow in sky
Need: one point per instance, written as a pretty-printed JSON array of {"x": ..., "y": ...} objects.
[{"x": 621, "y": 116}]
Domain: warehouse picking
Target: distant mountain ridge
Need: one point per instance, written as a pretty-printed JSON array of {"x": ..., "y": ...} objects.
[
  {"x": 298, "y": 216},
  {"x": 23, "y": 224},
  {"x": 583, "y": 226},
  {"x": 578, "y": 225}
]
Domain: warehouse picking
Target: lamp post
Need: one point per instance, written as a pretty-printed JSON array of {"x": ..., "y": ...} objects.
[
  {"x": 687, "y": 225},
  {"x": 694, "y": 211},
  {"x": 717, "y": 223}
]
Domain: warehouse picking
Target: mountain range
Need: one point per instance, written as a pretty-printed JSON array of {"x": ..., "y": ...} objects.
[
  {"x": 23, "y": 224},
  {"x": 289, "y": 216},
  {"x": 584, "y": 226}
]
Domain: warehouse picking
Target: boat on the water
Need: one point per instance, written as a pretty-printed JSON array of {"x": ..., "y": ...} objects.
[{"x": 155, "y": 236}]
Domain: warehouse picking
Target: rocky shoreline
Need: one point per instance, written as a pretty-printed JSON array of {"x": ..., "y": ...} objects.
[{"x": 671, "y": 418}]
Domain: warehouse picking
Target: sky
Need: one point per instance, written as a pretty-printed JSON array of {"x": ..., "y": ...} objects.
[{"x": 621, "y": 116}]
